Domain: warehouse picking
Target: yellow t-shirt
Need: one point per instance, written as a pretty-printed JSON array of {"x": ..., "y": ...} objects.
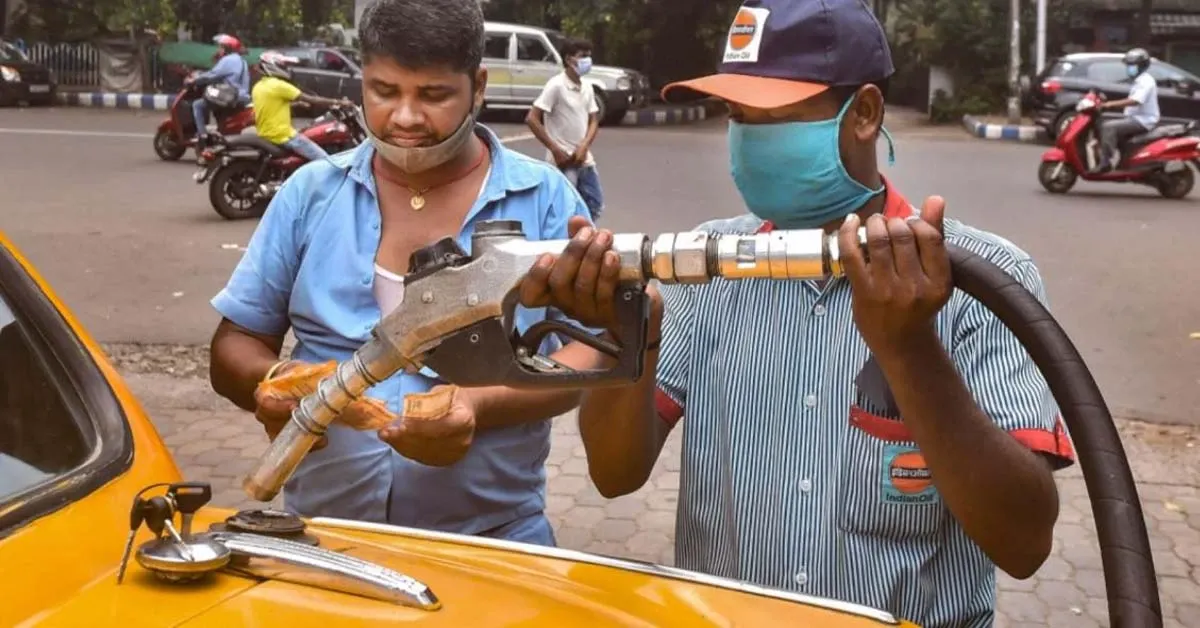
[{"x": 272, "y": 99}]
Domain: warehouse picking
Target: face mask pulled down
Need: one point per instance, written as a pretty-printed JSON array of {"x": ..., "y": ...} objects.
[
  {"x": 418, "y": 159},
  {"x": 791, "y": 173}
]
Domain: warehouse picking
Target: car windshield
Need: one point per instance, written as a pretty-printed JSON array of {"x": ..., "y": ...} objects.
[
  {"x": 1166, "y": 72},
  {"x": 10, "y": 53},
  {"x": 40, "y": 439}
]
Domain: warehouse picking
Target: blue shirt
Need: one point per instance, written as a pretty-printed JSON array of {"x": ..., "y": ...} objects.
[
  {"x": 798, "y": 471},
  {"x": 310, "y": 266},
  {"x": 232, "y": 69}
]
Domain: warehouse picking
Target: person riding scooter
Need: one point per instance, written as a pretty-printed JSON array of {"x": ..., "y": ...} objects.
[
  {"x": 232, "y": 74},
  {"x": 273, "y": 96},
  {"x": 1141, "y": 109}
]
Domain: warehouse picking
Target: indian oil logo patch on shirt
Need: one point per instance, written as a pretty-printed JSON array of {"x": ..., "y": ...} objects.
[
  {"x": 906, "y": 478},
  {"x": 745, "y": 35}
]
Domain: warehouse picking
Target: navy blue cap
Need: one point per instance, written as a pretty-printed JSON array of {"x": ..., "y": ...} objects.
[{"x": 780, "y": 52}]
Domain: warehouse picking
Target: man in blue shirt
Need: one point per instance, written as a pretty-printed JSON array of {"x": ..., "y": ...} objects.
[
  {"x": 327, "y": 261},
  {"x": 230, "y": 69}
]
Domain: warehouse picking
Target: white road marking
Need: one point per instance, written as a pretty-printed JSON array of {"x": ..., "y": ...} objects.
[
  {"x": 76, "y": 133},
  {"x": 141, "y": 136}
]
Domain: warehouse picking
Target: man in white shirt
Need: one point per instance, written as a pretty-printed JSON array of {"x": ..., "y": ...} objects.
[
  {"x": 1140, "y": 108},
  {"x": 565, "y": 118}
]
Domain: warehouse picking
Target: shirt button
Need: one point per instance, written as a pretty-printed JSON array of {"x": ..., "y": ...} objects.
[
  {"x": 367, "y": 280},
  {"x": 805, "y": 485},
  {"x": 375, "y": 226},
  {"x": 802, "y": 577},
  {"x": 819, "y": 310},
  {"x": 810, "y": 401}
]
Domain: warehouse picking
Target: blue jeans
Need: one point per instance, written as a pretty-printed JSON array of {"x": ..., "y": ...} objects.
[
  {"x": 200, "y": 115},
  {"x": 534, "y": 529},
  {"x": 587, "y": 182},
  {"x": 306, "y": 148}
]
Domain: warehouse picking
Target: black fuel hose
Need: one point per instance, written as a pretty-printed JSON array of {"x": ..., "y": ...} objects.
[{"x": 1129, "y": 577}]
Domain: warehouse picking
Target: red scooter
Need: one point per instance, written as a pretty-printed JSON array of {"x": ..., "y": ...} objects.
[
  {"x": 1162, "y": 158},
  {"x": 245, "y": 171},
  {"x": 177, "y": 133}
]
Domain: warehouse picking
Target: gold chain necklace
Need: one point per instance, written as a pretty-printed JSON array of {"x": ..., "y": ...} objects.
[{"x": 417, "y": 198}]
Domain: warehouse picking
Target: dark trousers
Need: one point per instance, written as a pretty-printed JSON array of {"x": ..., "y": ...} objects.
[{"x": 1113, "y": 132}]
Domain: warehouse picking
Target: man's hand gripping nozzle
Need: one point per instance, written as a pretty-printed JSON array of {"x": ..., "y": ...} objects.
[{"x": 457, "y": 318}]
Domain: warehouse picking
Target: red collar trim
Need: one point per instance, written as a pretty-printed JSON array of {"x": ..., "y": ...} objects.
[{"x": 894, "y": 206}]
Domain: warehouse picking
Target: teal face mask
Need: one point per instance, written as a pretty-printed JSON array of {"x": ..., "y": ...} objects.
[{"x": 791, "y": 173}]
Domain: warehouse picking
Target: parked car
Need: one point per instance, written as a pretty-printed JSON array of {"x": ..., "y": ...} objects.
[
  {"x": 1053, "y": 94},
  {"x": 520, "y": 59},
  {"x": 22, "y": 80},
  {"x": 329, "y": 71},
  {"x": 77, "y": 449}
]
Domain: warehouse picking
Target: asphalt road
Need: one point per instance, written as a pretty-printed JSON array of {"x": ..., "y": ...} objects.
[{"x": 133, "y": 247}]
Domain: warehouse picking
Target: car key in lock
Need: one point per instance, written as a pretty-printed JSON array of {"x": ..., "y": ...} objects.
[
  {"x": 188, "y": 498},
  {"x": 137, "y": 514},
  {"x": 161, "y": 512}
]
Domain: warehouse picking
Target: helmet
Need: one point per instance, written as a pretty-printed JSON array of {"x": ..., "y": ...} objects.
[
  {"x": 228, "y": 42},
  {"x": 1139, "y": 58},
  {"x": 273, "y": 63}
]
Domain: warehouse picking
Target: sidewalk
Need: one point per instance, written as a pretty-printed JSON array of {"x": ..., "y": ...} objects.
[
  {"x": 214, "y": 441},
  {"x": 656, "y": 114}
]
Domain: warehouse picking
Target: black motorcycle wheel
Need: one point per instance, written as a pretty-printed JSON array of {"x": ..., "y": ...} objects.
[
  {"x": 166, "y": 147},
  {"x": 1060, "y": 184},
  {"x": 233, "y": 191},
  {"x": 1176, "y": 185}
]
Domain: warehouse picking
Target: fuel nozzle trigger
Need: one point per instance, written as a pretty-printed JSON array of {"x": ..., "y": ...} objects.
[{"x": 489, "y": 353}]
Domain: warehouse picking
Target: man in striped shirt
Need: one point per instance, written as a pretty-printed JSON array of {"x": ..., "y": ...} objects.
[{"x": 879, "y": 439}]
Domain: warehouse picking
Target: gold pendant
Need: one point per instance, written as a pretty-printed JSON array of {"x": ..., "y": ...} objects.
[{"x": 417, "y": 201}]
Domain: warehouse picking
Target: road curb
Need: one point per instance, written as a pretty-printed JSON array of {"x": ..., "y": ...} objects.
[
  {"x": 652, "y": 116},
  {"x": 1010, "y": 132},
  {"x": 109, "y": 100},
  {"x": 659, "y": 116}
]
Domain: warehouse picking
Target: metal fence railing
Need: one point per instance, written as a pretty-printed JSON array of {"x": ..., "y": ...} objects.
[{"x": 78, "y": 66}]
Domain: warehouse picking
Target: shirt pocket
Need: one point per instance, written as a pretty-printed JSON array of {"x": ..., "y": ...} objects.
[{"x": 887, "y": 491}]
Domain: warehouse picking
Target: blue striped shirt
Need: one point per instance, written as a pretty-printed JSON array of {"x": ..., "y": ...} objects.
[{"x": 797, "y": 472}]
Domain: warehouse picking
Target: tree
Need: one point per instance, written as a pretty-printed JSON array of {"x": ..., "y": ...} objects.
[{"x": 1142, "y": 28}]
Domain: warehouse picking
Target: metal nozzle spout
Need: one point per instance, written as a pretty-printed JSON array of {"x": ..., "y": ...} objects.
[{"x": 372, "y": 363}]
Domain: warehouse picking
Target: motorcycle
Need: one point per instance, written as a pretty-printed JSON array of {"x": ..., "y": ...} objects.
[
  {"x": 177, "y": 133},
  {"x": 1162, "y": 158},
  {"x": 245, "y": 171}
]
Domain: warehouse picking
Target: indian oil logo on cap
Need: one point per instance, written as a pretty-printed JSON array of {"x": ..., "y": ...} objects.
[
  {"x": 745, "y": 35},
  {"x": 906, "y": 477}
]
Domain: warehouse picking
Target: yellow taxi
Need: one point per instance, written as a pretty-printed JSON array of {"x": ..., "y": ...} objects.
[{"x": 79, "y": 459}]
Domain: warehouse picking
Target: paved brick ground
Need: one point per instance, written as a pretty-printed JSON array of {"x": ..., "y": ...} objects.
[{"x": 211, "y": 439}]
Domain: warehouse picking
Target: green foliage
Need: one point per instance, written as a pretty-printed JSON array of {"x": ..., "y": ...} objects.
[
  {"x": 666, "y": 39},
  {"x": 970, "y": 39},
  {"x": 261, "y": 22}
]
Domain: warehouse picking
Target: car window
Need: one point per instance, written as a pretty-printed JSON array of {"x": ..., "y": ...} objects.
[
  {"x": 531, "y": 48},
  {"x": 1107, "y": 71},
  {"x": 305, "y": 57},
  {"x": 41, "y": 439},
  {"x": 496, "y": 46},
  {"x": 332, "y": 61},
  {"x": 557, "y": 39}
]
